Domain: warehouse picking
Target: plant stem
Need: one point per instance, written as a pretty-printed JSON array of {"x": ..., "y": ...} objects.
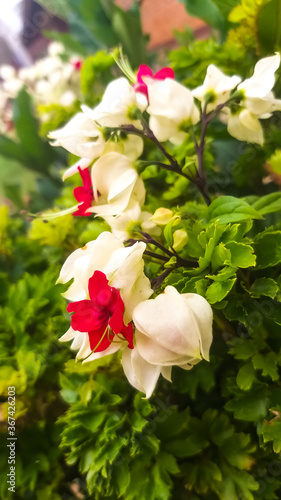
[
  {"x": 180, "y": 262},
  {"x": 148, "y": 239},
  {"x": 156, "y": 255},
  {"x": 157, "y": 282},
  {"x": 198, "y": 181}
]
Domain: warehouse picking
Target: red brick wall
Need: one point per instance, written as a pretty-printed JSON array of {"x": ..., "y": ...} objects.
[{"x": 161, "y": 17}]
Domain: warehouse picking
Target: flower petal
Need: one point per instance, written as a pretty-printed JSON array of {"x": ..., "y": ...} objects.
[{"x": 141, "y": 375}]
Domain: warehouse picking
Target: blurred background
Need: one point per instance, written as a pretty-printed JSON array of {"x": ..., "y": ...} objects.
[{"x": 23, "y": 22}]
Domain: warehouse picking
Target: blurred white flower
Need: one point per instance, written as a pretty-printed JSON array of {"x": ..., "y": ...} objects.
[
  {"x": 216, "y": 87},
  {"x": 118, "y": 105},
  {"x": 256, "y": 91},
  {"x": 171, "y": 109},
  {"x": 7, "y": 72},
  {"x": 172, "y": 329},
  {"x": 55, "y": 49},
  {"x": 263, "y": 79},
  {"x": 244, "y": 126}
]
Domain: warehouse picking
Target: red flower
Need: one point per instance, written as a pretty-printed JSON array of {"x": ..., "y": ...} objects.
[
  {"x": 144, "y": 70},
  {"x": 84, "y": 194},
  {"x": 77, "y": 63},
  {"x": 102, "y": 315}
]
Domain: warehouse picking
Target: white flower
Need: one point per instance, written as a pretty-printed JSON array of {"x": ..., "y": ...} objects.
[
  {"x": 67, "y": 98},
  {"x": 258, "y": 102},
  {"x": 173, "y": 329},
  {"x": 245, "y": 126},
  {"x": 216, "y": 85},
  {"x": 118, "y": 105},
  {"x": 55, "y": 48},
  {"x": 171, "y": 108},
  {"x": 263, "y": 79},
  {"x": 141, "y": 374},
  {"x": 256, "y": 90},
  {"x": 115, "y": 184},
  {"x": 12, "y": 87},
  {"x": 129, "y": 145},
  {"x": 7, "y": 72},
  {"x": 133, "y": 216},
  {"x": 122, "y": 266},
  {"x": 82, "y": 137}
]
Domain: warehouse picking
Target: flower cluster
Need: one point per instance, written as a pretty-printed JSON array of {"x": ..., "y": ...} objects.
[
  {"x": 50, "y": 81},
  {"x": 111, "y": 298}
]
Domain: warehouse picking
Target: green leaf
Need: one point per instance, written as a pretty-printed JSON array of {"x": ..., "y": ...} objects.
[
  {"x": 71, "y": 45},
  {"x": 202, "y": 476},
  {"x": 122, "y": 478},
  {"x": 208, "y": 11},
  {"x": 208, "y": 240},
  {"x": 59, "y": 9},
  {"x": 244, "y": 348},
  {"x": 227, "y": 209},
  {"x": 235, "y": 450},
  {"x": 220, "y": 257},
  {"x": 224, "y": 274},
  {"x": 271, "y": 431},
  {"x": 241, "y": 255},
  {"x": 218, "y": 290},
  {"x": 92, "y": 68},
  {"x": 264, "y": 286},
  {"x": 246, "y": 377},
  {"x": 40, "y": 153},
  {"x": 13, "y": 150},
  {"x": 268, "y": 204},
  {"x": 129, "y": 32},
  {"x": 200, "y": 377},
  {"x": 267, "y": 248},
  {"x": 251, "y": 406},
  {"x": 267, "y": 363},
  {"x": 268, "y": 24},
  {"x": 237, "y": 485},
  {"x": 186, "y": 446}
]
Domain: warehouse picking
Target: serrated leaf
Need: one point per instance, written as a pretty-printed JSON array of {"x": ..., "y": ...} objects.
[
  {"x": 251, "y": 406},
  {"x": 246, "y": 377},
  {"x": 208, "y": 239},
  {"x": 200, "y": 377},
  {"x": 267, "y": 363},
  {"x": 267, "y": 248},
  {"x": 218, "y": 290},
  {"x": 271, "y": 431},
  {"x": 236, "y": 451},
  {"x": 244, "y": 348},
  {"x": 122, "y": 478},
  {"x": 224, "y": 274},
  {"x": 221, "y": 256},
  {"x": 241, "y": 255},
  {"x": 227, "y": 209},
  {"x": 264, "y": 286}
]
